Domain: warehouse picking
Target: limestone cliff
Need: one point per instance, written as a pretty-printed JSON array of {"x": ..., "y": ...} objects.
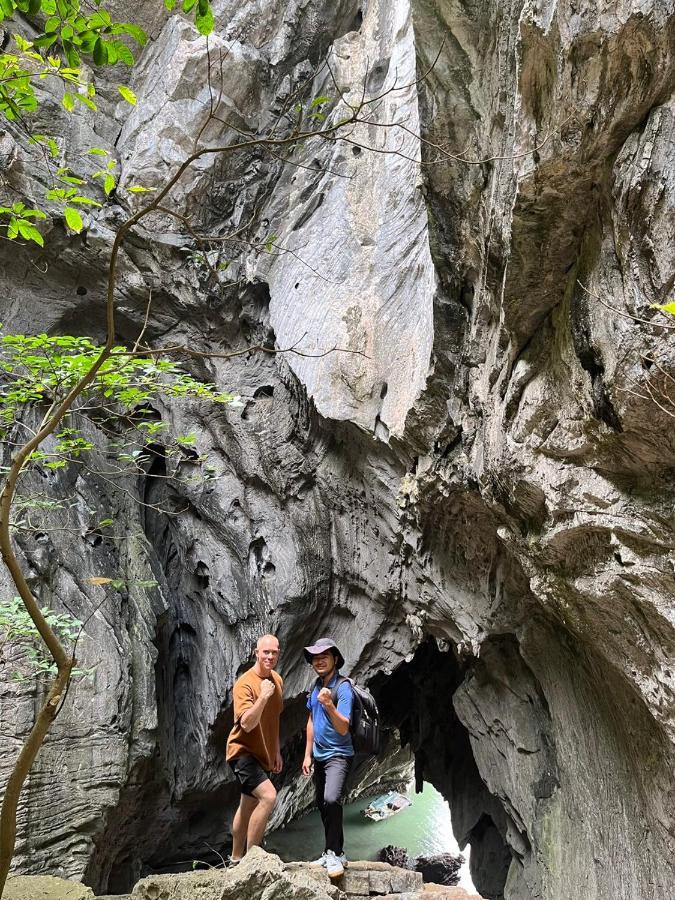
[{"x": 476, "y": 501}]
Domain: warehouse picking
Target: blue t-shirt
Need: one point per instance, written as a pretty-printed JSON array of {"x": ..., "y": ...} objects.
[{"x": 327, "y": 741}]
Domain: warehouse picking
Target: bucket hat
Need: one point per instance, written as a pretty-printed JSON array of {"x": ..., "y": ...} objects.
[{"x": 321, "y": 646}]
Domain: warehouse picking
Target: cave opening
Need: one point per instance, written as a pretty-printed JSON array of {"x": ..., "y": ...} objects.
[{"x": 416, "y": 702}]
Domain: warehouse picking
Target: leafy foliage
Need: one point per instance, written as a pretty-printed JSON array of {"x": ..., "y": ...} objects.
[
  {"x": 19, "y": 222},
  {"x": 72, "y": 32},
  {"x": 37, "y": 371},
  {"x": 20, "y": 644}
]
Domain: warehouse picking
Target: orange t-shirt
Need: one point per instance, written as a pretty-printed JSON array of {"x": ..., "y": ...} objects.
[{"x": 263, "y": 740}]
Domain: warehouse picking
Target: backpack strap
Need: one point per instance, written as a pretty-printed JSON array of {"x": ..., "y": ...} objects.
[{"x": 334, "y": 691}]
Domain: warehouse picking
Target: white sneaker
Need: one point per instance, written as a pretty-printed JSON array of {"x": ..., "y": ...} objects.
[
  {"x": 334, "y": 865},
  {"x": 321, "y": 861}
]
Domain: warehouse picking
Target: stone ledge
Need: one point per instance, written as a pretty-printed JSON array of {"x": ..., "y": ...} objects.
[
  {"x": 261, "y": 876},
  {"x": 45, "y": 887}
]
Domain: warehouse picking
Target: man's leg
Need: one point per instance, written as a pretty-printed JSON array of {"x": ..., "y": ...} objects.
[
  {"x": 265, "y": 795},
  {"x": 240, "y": 825},
  {"x": 337, "y": 768},
  {"x": 319, "y": 788}
]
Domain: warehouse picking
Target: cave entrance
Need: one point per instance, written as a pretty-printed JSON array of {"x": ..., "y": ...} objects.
[{"x": 415, "y": 703}]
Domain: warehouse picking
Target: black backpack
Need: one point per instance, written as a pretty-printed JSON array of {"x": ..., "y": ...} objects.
[{"x": 364, "y": 723}]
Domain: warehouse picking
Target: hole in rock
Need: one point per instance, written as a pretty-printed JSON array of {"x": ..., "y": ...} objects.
[{"x": 81, "y": 291}]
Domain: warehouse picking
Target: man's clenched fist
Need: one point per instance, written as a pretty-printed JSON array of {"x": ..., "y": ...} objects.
[
  {"x": 267, "y": 688},
  {"x": 325, "y": 697}
]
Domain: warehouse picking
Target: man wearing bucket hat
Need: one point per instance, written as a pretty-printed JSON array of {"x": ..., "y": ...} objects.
[{"x": 329, "y": 746}]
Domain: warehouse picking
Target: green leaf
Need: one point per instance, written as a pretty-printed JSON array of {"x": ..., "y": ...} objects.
[
  {"x": 85, "y": 201},
  {"x": 123, "y": 53},
  {"x": 318, "y": 101},
  {"x": 72, "y": 55},
  {"x": 128, "y": 94},
  {"x": 69, "y": 179},
  {"x": 139, "y": 189},
  {"x": 109, "y": 184},
  {"x": 100, "y": 52},
  {"x": 21, "y": 43},
  {"x": 97, "y": 151},
  {"x": 81, "y": 98},
  {"x": 73, "y": 219},
  {"x": 170, "y": 4},
  {"x": 45, "y": 40},
  {"x": 68, "y": 101},
  {"x": 133, "y": 31},
  {"x": 665, "y": 307},
  {"x": 52, "y": 24},
  {"x": 30, "y": 232},
  {"x": 189, "y": 5},
  {"x": 205, "y": 22}
]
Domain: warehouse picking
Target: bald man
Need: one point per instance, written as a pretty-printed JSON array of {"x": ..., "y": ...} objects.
[{"x": 253, "y": 749}]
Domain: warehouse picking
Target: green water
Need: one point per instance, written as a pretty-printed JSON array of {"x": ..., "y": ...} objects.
[{"x": 423, "y": 828}]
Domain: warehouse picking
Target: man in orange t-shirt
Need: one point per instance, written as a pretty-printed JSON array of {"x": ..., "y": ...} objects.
[{"x": 253, "y": 745}]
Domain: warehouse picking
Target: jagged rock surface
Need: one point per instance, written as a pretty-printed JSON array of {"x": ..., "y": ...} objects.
[{"x": 479, "y": 509}]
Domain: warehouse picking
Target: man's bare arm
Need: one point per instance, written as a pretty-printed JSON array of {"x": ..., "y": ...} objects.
[
  {"x": 307, "y": 761},
  {"x": 251, "y": 718}
]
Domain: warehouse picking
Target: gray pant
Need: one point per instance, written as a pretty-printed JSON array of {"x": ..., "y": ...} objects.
[{"x": 330, "y": 776}]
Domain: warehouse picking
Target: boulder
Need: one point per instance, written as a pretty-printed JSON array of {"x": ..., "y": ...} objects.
[
  {"x": 260, "y": 876},
  {"x": 443, "y": 868},
  {"x": 45, "y": 887},
  {"x": 396, "y": 856},
  {"x": 377, "y": 878}
]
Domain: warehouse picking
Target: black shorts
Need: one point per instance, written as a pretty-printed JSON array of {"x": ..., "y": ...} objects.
[{"x": 249, "y": 773}]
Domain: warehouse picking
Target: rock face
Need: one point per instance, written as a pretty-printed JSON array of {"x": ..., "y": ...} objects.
[{"x": 472, "y": 493}]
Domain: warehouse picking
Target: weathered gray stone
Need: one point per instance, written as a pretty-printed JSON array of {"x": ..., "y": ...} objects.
[
  {"x": 191, "y": 886},
  {"x": 44, "y": 887}
]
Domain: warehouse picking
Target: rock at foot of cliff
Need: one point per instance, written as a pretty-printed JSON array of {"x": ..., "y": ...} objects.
[
  {"x": 261, "y": 876},
  {"x": 45, "y": 887}
]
